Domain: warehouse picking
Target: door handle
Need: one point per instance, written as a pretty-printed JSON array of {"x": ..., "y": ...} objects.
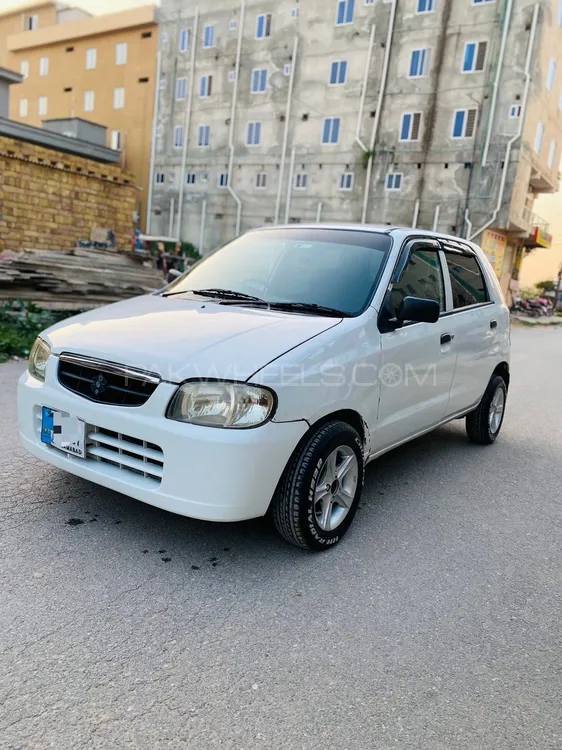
[
  {"x": 446, "y": 338},
  {"x": 493, "y": 324}
]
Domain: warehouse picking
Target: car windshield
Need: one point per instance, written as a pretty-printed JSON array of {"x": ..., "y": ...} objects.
[{"x": 329, "y": 268}]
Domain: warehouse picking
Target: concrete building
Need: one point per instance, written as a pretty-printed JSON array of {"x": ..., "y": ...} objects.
[
  {"x": 97, "y": 68},
  {"x": 54, "y": 190},
  {"x": 438, "y": 114}
]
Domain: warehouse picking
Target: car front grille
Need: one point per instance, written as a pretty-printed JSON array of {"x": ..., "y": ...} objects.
[
  {"x": 126, "y": 453},
  {"x": 106, "y": 382}
]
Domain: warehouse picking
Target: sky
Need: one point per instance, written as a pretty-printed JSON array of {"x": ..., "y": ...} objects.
[{"x": 92, "y": 6}]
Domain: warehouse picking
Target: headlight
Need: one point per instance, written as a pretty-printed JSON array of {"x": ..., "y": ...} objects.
[
  {"x": 38, "y": 357},
  {"x": 220, "y": 404}
]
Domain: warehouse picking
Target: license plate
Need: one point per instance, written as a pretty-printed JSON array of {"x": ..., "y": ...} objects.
[{"x": 60, "y": 430}]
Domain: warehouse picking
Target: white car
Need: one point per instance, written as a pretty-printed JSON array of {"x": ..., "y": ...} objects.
[{"x": 266, "y": 378}]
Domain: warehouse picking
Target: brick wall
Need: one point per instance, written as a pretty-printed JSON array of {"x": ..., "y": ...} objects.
[{"x": 49, "y": 200}]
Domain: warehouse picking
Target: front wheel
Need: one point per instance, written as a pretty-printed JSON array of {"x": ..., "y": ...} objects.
[
  {"x": 483, "y": 425},
  {"x": 320, "y": 489}
]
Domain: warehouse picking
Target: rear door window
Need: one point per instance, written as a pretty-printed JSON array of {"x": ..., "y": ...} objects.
[
  {"x": 467, "y": 280},
  {"x": 422, "y": 278}
]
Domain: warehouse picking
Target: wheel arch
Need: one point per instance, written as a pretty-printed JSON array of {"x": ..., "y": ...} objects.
[{"x": 503, "y": 371}]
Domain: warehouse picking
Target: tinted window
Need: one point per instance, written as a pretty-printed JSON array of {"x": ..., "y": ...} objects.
[
  {"x": 469, "y": 287},
  {"x": 333, "y": 268},
  {"x": 422, "y": 278}
]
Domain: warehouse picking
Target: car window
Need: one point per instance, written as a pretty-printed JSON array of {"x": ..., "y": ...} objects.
[
  {"x": 422, "y": 278},
  {"x": 336, "y": 268},
  {"x": 467, "y": 281}
]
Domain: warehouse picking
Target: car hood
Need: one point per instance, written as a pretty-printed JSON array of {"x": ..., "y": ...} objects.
[{"x": 181, "y": 338}]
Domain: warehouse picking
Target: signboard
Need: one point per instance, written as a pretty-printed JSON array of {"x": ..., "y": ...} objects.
[
  {"x": 494, "y": 245},
  {"x": 542, "y": 238}
]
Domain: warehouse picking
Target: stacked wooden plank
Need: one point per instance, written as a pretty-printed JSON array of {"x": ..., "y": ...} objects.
[{"x": 79, "y": 279}]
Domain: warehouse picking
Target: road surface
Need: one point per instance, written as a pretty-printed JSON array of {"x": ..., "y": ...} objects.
[{"x": 436, "y": 625}]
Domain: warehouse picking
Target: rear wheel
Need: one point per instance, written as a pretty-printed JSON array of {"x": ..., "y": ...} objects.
[
  {"x": 319, "y": 492},
  {"x": 484, "y": 424}
]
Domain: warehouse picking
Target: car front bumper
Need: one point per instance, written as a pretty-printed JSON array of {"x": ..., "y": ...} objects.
[{"x": 205, "y": 473}]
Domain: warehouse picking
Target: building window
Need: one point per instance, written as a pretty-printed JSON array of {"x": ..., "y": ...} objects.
[
  {"x": 184, "y": 40},
  {"x": 43, "y": 105},
  {"x": 159, "y": 178},
  {"x": 253, "y": 134},
  {"x": 551, "y": 154},
  {"x": 261, "y": 180},
  {"x": 551, "y": 74},
  {"x": 231, "y": 76},
  {"x": 287, "y": 69},
  {"x": 23, "y": 107},
  {"x": 116, "y": 140},
  {"x": 393, "y": 182},
  {"x": 91, "y": 59},
  {"x": 178, "y": 136},
  {"x": 233, "y": 25},
  {"x": 464, "y": 123},
  {"x": 411, "y": 126},
  {"x": 205, "y": 86},
  {"x": 425, "y": 6},
  {"x": 346, "y": 181},
  {"x": 223, "y": 180},
  {"x": 419, "y": 63},
  {"x": 294, "y": 13},
  {"x": 515, "y": 111},
  {"x": 259, "y": 81},
  {"x": 338, "y": 73},
  {"x": 32, "y": 23},
  {"x": 89, "y": 101},
  {"x": 474, "y": 57},
  {"x": 301, "y": 181},
  {"x": 203, "y": 136},
  {"x": 24, "y": 68},
  {"x": 263, "y": 26},
  {"x": 118, "y": 98},
  {"x": 345, "y": 11},
  {"x": 539, "y": 135},
  {"x": 44, "y": 66},
  {"x": 181, "y": 89},
  {"x": 482, "y": 2},
  {"x": 191, "y": 178},
  {"x": 331, "y": 130},
  {"x": 208, "y": 37},
  {"x": 369, "y": 2},
  {"x": 121, "y": 54}
]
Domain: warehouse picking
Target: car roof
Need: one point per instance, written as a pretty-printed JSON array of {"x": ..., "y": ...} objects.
[{"x": 380, "y": 229}]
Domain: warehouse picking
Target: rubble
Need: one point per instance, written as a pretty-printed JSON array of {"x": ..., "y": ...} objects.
[{"x": 78, "y": 279}]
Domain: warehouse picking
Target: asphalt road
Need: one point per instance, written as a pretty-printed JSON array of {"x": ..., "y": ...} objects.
[{"x": 436, "y": 625}]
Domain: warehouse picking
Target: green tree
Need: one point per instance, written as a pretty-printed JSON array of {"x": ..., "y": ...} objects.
[{"x": 546, "y": 286}]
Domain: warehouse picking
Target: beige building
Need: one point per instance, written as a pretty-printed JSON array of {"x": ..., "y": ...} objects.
[
  {"x": 98, "y": 68},
  {"x": 544, "y": 263}
]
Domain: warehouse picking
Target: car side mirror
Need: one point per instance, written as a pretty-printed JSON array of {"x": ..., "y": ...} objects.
[
  {"x": 418, "y": 310},
  {"x": 173, "y": 274}
]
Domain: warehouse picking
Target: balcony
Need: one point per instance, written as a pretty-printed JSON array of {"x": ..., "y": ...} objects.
[{"x": 538, "y": 234}]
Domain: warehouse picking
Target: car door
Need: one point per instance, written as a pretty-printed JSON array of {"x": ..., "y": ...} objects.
[
  {"x": 474, "y": 321},
  {"x": 418, "y": 359}
]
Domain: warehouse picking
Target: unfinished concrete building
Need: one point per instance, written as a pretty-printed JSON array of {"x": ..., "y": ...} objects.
[{"x": 441, "y": 114}]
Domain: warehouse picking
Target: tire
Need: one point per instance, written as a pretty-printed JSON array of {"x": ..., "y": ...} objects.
[
  {"x": 302, "y": 510},
  {"x": 480, "y": 426}
]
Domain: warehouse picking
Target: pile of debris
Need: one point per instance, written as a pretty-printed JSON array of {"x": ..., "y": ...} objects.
[{"x": 76, "y": 280}]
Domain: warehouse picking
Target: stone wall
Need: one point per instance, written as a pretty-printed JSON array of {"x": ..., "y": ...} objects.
[{"x": 49, "y": 200}]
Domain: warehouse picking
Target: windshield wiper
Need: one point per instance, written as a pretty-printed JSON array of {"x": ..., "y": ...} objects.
[
  {"x": 218, "y": 294},
  {"x": 309, "y": 307}
]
